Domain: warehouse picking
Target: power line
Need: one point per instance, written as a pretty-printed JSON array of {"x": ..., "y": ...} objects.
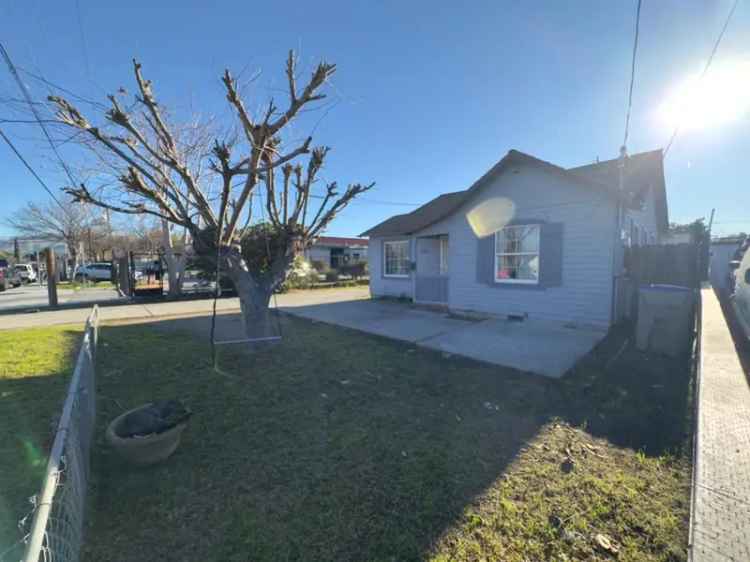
[
  {"x": 632, "y": 72},
  {"x": 705, "y": 69},
  {"x": 52, "y": 84},
  {"x": 27, "y": 96},
  {"x": 30, "y": 169},
  {"x": 374, "y": 201},
  {"x": 83, "y": 40}
]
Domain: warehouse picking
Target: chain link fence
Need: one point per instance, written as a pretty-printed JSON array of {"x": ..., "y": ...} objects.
[{"x": 58, "y": 514}]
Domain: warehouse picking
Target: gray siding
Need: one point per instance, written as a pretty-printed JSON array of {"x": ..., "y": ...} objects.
[
  {"x": 585, "y": 293},
  {"x": 645, "y": 218},
  {"x": 381, "y": 286}
]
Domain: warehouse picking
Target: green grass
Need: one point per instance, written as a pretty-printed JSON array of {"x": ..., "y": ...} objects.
[
  {"x": 77, "y": 286},
  {"x": 35, "y": 367},
  {"x": 336, "y": 445}
]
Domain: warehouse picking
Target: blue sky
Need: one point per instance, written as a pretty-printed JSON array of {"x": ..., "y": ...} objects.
[{"x": 427, "y": 95}]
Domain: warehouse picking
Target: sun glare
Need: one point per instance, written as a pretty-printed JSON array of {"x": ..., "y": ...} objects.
[{"x": 721, "y": 97}]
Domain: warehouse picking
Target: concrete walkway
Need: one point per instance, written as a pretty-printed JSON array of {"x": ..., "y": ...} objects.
[{"x": 720, "y": 528}]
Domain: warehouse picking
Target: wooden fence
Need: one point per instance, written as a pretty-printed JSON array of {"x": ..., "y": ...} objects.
[{"x": 675, "y": 264}]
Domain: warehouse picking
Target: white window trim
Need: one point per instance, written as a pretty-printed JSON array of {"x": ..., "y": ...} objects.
[
  {"x": 408, "y": 254},
  {"x": 538, "y": 253},
  {"x": 443, "y": 255}
]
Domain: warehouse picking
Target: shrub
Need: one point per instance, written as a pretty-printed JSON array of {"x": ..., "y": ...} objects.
[
  {"x": 301, "y": 276},
  {"x": 355, "y": 270},
  {"x": 332, "y": 276},
  {"x": 320, "y": 266}
]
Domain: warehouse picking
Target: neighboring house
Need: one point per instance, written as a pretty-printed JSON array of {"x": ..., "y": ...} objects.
[
  {"x": 678, "y": 237},
  {"x": 681, "y": 234},
  {"x": 335, "y": 251},
  {"x": 528, "y": 239},
  {"x": 722, "y": 252}
]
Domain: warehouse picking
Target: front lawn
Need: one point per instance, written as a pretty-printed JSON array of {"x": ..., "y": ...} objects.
[
  {"x": 336, "y": 445},
  {"x": 35, "y": 367}
]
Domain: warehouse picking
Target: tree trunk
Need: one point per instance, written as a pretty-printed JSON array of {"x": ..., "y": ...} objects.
[
  {"x": 255, "y": 298},
  {"x": 175, "y": 263},
  {"x": 73, "y": 249}
]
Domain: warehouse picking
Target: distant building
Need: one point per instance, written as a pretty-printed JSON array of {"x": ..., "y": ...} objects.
[
  {"x": 335, "y": 251},
  {"x": 677, "y": 237}
]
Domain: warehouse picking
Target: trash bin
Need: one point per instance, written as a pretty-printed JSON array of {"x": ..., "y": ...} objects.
[{"x": 665, "y": 319}]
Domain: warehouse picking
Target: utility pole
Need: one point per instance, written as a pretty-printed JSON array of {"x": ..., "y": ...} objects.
[{"x": 51, "y": 277}]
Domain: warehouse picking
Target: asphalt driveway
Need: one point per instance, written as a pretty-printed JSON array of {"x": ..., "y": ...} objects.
[{"x": 545, "y": 348}]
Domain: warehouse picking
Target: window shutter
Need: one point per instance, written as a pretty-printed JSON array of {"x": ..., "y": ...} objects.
[
  {"x": 551, "y": 254},
  {"x": 486, "y": 260}
]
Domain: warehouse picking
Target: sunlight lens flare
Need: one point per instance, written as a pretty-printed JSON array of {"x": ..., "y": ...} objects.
[
  {"x": 722, "y": 96},
  {"x": 491, "y": 215}
]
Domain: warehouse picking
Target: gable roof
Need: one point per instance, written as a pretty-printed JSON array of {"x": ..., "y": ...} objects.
[
  {"x": 427, "y": 214},
  {"x": 643, "y": 172},
  {"x": 595, "y": 176}
]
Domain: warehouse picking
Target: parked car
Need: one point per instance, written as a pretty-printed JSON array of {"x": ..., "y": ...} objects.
[
  {"x": 25, "y": 272},
  {"x": 101, "y": 271},
  {"x": 741, "y": 296},
  {"x": 9, "y": 277}
]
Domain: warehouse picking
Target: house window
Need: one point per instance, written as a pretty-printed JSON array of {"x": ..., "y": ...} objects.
[
  {"x": 443, "y": 255},
  {"x": 517, "y": 254},
  {"x": 396, "y": 257}
]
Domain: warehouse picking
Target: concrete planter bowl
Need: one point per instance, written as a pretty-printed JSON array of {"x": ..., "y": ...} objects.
[{"x": 143, "y": 450}]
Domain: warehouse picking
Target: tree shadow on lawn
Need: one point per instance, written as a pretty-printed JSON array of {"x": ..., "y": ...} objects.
[
  {"x": 334, "y": 445},
  {"x": 33, "y": 387}
]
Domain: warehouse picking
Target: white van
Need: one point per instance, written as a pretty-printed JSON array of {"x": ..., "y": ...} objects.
[
  {"x": 25, "y": 272},
  {"x": 101, "y": 271}
]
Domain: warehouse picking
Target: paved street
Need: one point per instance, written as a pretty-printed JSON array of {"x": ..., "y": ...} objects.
[
  {"x": 721, "y": 518},
  {"x": 31, "y": 296},
  {"x": 166, "y": 309}
]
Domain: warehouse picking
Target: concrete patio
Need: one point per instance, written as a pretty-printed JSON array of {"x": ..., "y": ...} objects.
[{"x": 543, "y": 348}]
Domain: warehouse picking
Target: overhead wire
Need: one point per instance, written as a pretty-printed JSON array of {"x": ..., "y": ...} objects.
[
  {"x": 34, "y": 111},
  {"x": 63, "y": 89},
  {"x": 632, "y": 73},
  {"x": 30, "y": 169},
  {"x": 710, "y": 60}
]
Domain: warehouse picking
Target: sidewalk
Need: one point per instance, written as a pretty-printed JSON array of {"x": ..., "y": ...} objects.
[
  {"x": 174, "y": 309},
  {"x": 720, "y": 528}
]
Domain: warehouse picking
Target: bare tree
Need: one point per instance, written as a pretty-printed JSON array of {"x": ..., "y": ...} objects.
[
  {"x": 155, "y": 177},
  {"x": 49, "y": 222}
]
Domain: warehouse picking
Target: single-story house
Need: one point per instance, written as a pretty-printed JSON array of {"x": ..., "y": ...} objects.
[
  {"x": 528, "y": 239},
  {"x": 335, "y": 251}
]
